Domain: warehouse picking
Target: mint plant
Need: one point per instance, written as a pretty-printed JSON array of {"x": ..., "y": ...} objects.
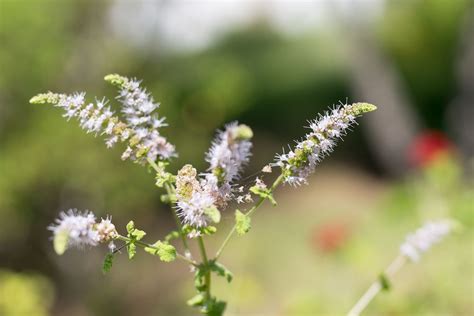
[{"x": 196, "y": 198}]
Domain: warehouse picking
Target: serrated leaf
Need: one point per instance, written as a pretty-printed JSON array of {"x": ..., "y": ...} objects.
[
  {"x": 197, "y": 300},
  {"x": 130, "y": 227},
  {"x": 221, "y": 270},
  {"x": 138, "y": 234},
  {"x": 213, "y": 213},
  {"x": 60, "y": 242},
  {"x": 108, "y": 262},
  {"x": 242, "y": 223},
  {"x": 165, "y": 251},
  {"x": 132, "y": 250}
]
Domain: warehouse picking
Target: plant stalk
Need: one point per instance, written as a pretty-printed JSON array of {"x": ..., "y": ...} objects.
[
  {"x": 207, "y": 277},
  {"x": 377, "y": 286},
  {"x": 170, "y": 191}
]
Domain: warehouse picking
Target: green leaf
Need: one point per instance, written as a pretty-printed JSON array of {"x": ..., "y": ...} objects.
[
  {"x": 271, "y": 199},
  {"x": 221, "y": 270},
  {"x": 165, "y": 199},
  {"x": 384, "y": 282},
  {"x": 186, "y": 229},
  {"x": 264, "y": 193},
  {"x": 165, "y": 251},
  {"x": 197, "y": 300},
  {"x": 215, "y": 308},
  {"x": 116, "y": 80},
  {"x": 172, "y": 235},
  {"x": 138, "y": 234},
  {"x": 130, "y": 227},
  {"x": 209, "y": 230},
  {"x": 132, "y": 250},
  {"x": 242, "y": 132},
  {"x": 242, "y": 223},
  {"x": 108, "y": 262},
  {"x": 213, "y": 213},
  {"x": 60, "y": 242},
  {"x": 362, "y": 107},
  {"x": 199, "y": 276}
]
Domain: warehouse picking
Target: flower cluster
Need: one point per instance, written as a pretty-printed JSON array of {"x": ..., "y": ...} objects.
[
  {"x": 299, "y": 163},
  {"x": 193, "y": 201},
  {"x": 79, "y": 229},
  {"x": 424, "y": 237},
  {"x": 93, "y": 117},
  {"x": 199, "y": 199},
  {"x": 229, "y": 153},
  {"x": 138, "y": 108},
  {"x": 139, "y": 129}
]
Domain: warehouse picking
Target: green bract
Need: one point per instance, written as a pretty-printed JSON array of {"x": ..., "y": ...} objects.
[{"x": 242, "y": 223}]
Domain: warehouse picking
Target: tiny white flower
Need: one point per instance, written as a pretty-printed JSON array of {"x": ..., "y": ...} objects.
[
  {"x": 267, "y": 169},
  {"x": 106, "y": 230},
  {"x": 126, "y": 154}
]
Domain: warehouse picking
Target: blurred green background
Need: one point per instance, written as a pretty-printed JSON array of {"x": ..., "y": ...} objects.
[{"x": 272, "y": 65}]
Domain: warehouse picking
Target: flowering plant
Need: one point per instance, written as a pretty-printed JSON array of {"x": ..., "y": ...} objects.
[{"x": 196, "y": 199}]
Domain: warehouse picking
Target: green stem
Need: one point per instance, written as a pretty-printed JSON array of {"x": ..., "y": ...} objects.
[
  {"x": 146, "y": 245},
  {"x": 275, "y": 184},
  {"x": 377, "y": 286},
  {"x": 207, "y": 277},
  {"x": 170, "y": 191}
]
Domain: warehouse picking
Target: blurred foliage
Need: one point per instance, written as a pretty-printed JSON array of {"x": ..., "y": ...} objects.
[
  {"x": 24, "y": 294},
  {"x": 422, "y": 37}
]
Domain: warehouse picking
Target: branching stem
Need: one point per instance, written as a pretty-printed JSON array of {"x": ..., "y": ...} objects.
[
  {"x": 275, "y": 184},
  {"x": 207, "y": 277},
  {"x": 146, "y": 245}
]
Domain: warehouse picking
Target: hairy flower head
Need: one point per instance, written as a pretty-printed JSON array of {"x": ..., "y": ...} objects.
[
  {"x": 138, "y": 129},
  {"x": 138, "y": 108},
  {"x": 301, "y": 161},
  {"x": 229, "y": 153},
  {"x": 79, "y": 229},
  {"x": 194, "y": 203}
]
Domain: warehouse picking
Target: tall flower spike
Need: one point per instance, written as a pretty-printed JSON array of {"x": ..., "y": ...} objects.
[
  {"x": 425, "y": 237},
  {"x": 139, "y": 130},
  {"x": 299, "y": 163},
  {"x": 229, "y": 153},
  {"x": 138, "y": 108},
  {"x": 93, "y": 117}
]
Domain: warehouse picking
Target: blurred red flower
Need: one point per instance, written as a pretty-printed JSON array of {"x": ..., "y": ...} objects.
[
  {"x": 428, "y": 147},
  {"x": 330, "y": 237}
]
